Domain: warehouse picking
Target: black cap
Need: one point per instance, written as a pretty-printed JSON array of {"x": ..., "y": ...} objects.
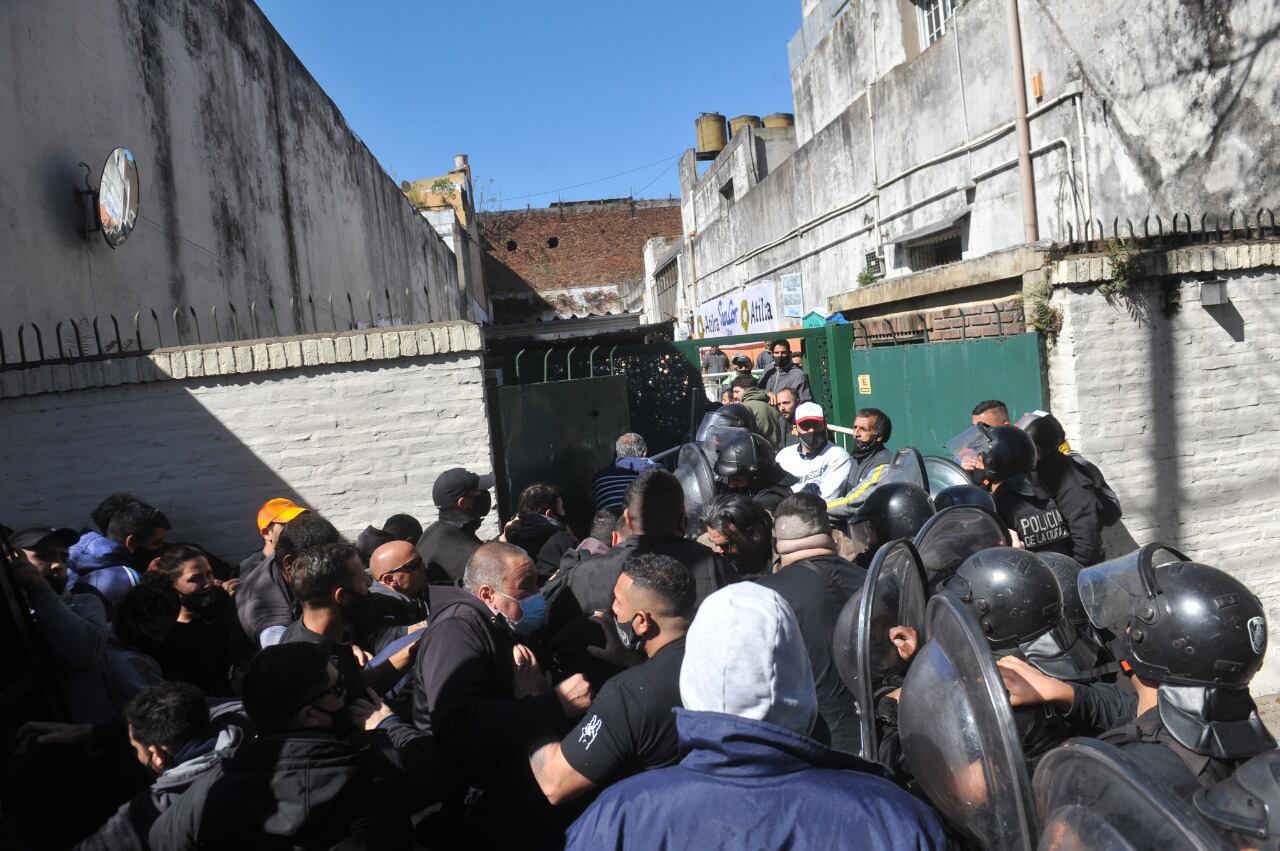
[
  {"x": 741, "y": 359},
  {"x": 451, "y": 485},
  {"x": 35, "y": 537}
]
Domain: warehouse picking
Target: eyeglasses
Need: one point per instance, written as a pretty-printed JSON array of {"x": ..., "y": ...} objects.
[
  {"x": 408, "y": 567},
  {"x": 338, "y": 690}
]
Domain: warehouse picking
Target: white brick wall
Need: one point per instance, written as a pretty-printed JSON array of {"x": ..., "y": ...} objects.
[
  {"x": 1182, "y": 414},
  {"x": 357, "y": 435}
]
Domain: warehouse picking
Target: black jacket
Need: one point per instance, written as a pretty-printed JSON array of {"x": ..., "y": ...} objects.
[
  {"x": 306, "y": 789},
  {"x": 446, "y": 545},
  {"x": 817, "y": 589},
  {"x": 545, "y": 539},
  {"x": 1079, "y": 507},
  {"x": 390, "y": 615},
  {"x": 1026, "y": 507},
  {"x": 1149, "y": 744},
  {"x": 265, "y": 600},
  {"x": 589, "y": 586}
]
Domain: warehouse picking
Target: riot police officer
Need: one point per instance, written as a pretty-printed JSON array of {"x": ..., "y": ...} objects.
[
  {"x": 745, "y": 464},
  {"x": 1246, "y": 806},
  {"x": 893, "y": 510},
  {"x": 1022, "y": 502},
  {"x": 964, "y": 495}
]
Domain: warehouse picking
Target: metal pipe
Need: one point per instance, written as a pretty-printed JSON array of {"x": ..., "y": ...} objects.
[
  {"x": 1084, "y": 155},
  {"x": 519, "y": 354},
  {"x": 568, "y": 364},
  {"x": 1030, "y": 218}
]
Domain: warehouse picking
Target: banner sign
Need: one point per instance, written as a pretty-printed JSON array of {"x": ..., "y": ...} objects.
[
  {"x": 792, "y": 295},
  {"x": 745, "y": 311}
]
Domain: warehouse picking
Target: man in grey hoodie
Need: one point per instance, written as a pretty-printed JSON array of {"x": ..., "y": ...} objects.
[{"x": 751, "y": 776}]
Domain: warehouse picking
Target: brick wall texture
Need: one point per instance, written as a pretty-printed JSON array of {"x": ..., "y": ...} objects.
[
  {"x": 597, "y": 247},
  {"x": 358, "y": 440},
  {"x": 1177, "y": 403},
  {"x": 963, "y": 322}
]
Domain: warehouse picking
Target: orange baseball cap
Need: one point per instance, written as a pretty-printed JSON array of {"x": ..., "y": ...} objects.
[{"x": 278, "y": 510}]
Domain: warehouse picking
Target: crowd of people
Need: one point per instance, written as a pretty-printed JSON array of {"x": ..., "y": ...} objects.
[{"x": 661, "y": 678}]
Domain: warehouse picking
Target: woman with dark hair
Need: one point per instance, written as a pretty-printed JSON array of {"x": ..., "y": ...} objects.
[
  {"x": 741, "y": 530},
  {"x": 205, "y": 638}
]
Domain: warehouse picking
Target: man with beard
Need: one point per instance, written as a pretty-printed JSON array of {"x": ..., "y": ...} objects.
[
  {"x": 540, "y": 529},
  {"x": 464, "y": 501},
  {"x": 818, "y": 465},
  {"x": 108, "y": 566},
  {"x": 784, "y": 373}
]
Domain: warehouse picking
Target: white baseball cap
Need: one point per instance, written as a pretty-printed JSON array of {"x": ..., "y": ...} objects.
[{"x": 810, "y": 411}]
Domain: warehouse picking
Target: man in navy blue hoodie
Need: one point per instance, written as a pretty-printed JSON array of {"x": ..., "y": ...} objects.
[
  {"x": 751, "y": 777},
  {"x": 108, "y": 566}
]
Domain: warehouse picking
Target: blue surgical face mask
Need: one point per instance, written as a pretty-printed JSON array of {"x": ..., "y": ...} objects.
[{"x": 533, "y": 613}]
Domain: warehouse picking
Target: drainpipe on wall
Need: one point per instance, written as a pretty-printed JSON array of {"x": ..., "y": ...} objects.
[{"x": 1030, "y": 218}]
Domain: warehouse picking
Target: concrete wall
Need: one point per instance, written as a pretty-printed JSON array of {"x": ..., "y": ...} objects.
[
  {"x": 252, "y": 184},
  {"x": 1177, "y": 110},
  {"x": 355, "y": 425},
  {"x": 1176, "y": 403}
]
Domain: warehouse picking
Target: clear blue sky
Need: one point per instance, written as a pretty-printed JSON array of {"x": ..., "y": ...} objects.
[{"x": 543, "y": 94}]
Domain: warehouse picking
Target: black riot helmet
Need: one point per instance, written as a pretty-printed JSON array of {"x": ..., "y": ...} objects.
[
  {"x": 733, "y": 415},
  {"x": 1047, "y": 434},
  {"x": 745, "y": 454},
  {"x": 1011, "y": 593},
  {"x": 1066, "y": 569},
  {"x": 1176, "y": 622},
  {"x": 1247, "y": 802},
  {"x": 1010, "y": 453},
  {"x": 965, "y": 495},
  {"x": 895, "y": 510}
]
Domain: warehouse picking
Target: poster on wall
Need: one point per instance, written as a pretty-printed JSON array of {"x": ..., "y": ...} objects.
[
  {"x": 746, "y": 311},
  {"x": 793, "y": 295}
]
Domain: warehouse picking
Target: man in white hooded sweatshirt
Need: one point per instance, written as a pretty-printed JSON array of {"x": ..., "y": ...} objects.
[{"x": 751, "y": 776}]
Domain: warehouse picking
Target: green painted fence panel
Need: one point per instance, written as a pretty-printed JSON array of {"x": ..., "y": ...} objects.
[{"x": 928, "y": 390}]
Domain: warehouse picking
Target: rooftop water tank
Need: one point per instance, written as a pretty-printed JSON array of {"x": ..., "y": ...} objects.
[
  {"x": 736, "y": 125},
  {"x": 779, "y": 120},
  {"x": 712, "y": 135}
]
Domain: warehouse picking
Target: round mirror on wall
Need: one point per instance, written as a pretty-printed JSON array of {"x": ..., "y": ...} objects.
[{"x": 118, "y": 194}]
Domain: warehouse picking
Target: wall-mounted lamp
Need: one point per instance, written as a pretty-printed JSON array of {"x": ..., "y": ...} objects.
[{"x": 1213, "y": 293}]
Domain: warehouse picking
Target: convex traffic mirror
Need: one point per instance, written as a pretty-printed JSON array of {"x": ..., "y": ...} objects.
[{"x": 118, "y": 194}]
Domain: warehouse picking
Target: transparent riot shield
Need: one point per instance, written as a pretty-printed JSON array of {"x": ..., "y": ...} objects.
[
  {"x": 943, "y": 473},
  {"x": 958, "y": 734},
  {"x": 952, "y": 535},
  {"x": 1088, "y": 795},
  {"x": 892, "y": 595},
  {"x": 907, "y": 466},
  {"x": 696, "y": 477}
]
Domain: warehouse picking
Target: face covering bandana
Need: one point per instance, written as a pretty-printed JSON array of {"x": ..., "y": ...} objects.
[
  {"x": 864, "y": 449},
  {"x": 199, "y": 602}
]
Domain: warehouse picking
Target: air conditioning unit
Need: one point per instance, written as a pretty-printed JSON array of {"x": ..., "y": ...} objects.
[{"x": 875, "y": 263}]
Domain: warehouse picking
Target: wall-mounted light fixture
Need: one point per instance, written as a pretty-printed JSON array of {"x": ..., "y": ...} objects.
[{"x": 1213, "y": 293}]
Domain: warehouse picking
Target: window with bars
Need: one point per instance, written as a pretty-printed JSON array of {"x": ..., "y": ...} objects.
[
  {"x": 946, "y": 247},
  {"x": 934, "y": 15}
]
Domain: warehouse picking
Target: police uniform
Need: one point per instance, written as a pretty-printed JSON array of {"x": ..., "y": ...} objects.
[
  {"x": 1149, "y": 745},
  {"x": 1028, "y": 509}
]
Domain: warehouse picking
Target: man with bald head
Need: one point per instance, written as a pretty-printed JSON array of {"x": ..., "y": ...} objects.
[
  {"x": 400, "y": 595},
  {"x": 481, "y": 692}
]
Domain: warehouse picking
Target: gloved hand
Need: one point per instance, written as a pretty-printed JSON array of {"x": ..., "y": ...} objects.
[{"x": 614, "y": 651}]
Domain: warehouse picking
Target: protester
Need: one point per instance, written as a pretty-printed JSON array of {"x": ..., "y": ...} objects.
[
  {"x": 784, "y": 373},
  {"x": 110, "y": 565},
  {"x": 46, "y": 550},
  {"x": 604, "y": 533},
  {"x": 300, "y": 782},
  {"x": 630, "y": 726},
  {"x": 463, "y": 500},
  {"x": 818, "y": 465},
  {"x": 816, "y": 583},
  {"x": 610, "y": 484},
  {"x": 205, "y": 639},
  {"x": 715, "y": 360},
  {"x": 786, "y": 401},
  {"x": 767, "y": 419},
  {"x": 655, "y": 519},
  {"x": 751, "y": 776},
  {"x": 169, "y": 729},
  {"x": 539, "y": 528},
  {"x": 272, "y": 516},
  {"x": 401, "y": 596},
  {"x": 481, "y": 693},
  {"x": 871, "y": 431},
  {"x": 265, "y": 601},
  {"x": 992, "y": 413},
  {"x": 398, "y": 527},
  {"x": 738, "y": 528}
]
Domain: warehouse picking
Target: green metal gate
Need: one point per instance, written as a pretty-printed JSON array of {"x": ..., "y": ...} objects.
[{"x": 929, "y": 389}]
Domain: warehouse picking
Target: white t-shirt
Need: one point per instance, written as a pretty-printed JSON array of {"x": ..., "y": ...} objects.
[{"x": 829, "y": 469}]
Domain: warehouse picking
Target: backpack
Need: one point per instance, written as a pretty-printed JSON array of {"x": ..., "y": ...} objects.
[{"x": 1109, "y": 510}]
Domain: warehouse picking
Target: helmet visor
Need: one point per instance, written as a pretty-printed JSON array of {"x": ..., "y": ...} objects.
[
  {"x": 970, "y": 443},
  {"x": 1109, "y": 592}
]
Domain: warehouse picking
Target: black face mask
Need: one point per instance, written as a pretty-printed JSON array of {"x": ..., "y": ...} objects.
[
  {"x": 200, "y": 602},
  {"x": 864, "y": 449},
  {"x": 342, "y": 725},
  {"x": 142, "y": 557},
  {"x": 627, "y": 635},
  {"x": 782, "y": 360},
  {"x": 812, "y": 441}
]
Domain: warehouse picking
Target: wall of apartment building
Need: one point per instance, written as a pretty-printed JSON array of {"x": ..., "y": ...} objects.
[
  {"x": 355, "y": 425},
  {"x": 252, "y": 185},
  {"x": 1174, "y": 400},
  {"x": 895, "y": 148}
]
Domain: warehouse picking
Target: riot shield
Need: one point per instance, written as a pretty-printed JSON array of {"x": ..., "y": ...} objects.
[
  {"x": 696, "y": 477},
  {"x": 943, "y": 473},
  {"x": 952, "y": 535},
  {"x": 907, "y": 466},
  {"x": 1089, "y": 795},
  {"x": 892, "y": 595},
  {"x": 958, "y": 734}
]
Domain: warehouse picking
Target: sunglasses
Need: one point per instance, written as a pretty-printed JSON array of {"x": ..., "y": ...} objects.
[
  {"x": 338, "y": 690},
  {"x": 408, "y": 567}
]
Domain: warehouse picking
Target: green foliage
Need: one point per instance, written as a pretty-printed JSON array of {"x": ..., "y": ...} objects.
[
  {"x": 1124, "y": 267},
  {"x": 866, "y": 277}
]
